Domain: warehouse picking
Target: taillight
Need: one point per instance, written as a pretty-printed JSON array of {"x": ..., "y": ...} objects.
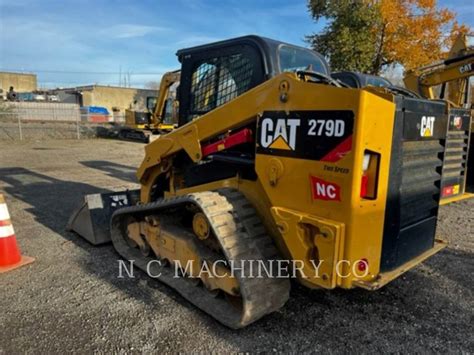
[
  {"x": 365, "y": 178},
  {"x": 370, "y": 172},
  {"x": 362, "y": 265}
]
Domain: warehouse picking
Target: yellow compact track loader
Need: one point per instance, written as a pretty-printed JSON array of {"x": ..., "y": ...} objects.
[
  {"x": 275, "y": 163},
  {"x": 452, "y": 75},
  {"x": 159, "y": 120}
]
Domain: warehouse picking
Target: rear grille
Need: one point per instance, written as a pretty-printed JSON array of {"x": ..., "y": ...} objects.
[
  {"x": 456, "y": 155},
  {"x": 456, "y": 159},
  {"x": 414, "y": 190},
  {"x": 421, "y": 176}
]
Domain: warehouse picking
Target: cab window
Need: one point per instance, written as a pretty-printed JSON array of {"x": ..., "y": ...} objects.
[
  {"x": 375, "y": 81},
  {"x": 216, "y": 81},
  {"x": 150, "y": 103},
  {"x": 294, "y": 58}
]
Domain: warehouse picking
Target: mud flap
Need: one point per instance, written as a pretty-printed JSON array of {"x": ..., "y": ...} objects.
[{"x": 91, "y": 220}]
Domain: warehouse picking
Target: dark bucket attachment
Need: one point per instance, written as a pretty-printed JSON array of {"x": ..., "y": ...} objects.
[{"x": 92, "y": 218}]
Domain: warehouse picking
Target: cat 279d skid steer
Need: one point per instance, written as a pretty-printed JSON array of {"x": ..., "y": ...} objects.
[{"x": 274, "y": 161}]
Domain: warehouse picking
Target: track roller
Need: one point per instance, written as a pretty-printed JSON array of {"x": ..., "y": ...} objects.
[{"x": 203, "y": 228}]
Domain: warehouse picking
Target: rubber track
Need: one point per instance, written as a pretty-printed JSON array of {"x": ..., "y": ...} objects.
[{"x": 242, "y": 237}]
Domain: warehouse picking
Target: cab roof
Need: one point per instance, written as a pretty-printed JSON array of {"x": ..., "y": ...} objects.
[{"x": 267, "y": 47}]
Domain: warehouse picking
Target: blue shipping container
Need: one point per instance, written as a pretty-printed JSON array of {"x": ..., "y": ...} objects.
[{"x": 95, "y": 109}]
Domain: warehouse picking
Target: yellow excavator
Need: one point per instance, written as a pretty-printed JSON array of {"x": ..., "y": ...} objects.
[
  {"x": 277, "y": 172},
  {"x": 140, "y": 126},
  {"x": 452, "y": 75}
]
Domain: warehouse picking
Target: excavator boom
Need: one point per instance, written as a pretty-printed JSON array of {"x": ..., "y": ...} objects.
[
  {"x": 167, "y": 81},
  {"x": 455, "y": 72}
]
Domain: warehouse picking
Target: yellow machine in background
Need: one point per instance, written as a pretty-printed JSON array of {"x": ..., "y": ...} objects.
[
  {"x": 273, "y": 164},
  {"x": 452, "y": 75},
  {"x": 162, "y": 118}
]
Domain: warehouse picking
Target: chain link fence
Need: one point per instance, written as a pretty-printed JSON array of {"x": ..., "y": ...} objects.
[{"x": 39, "y": 121}]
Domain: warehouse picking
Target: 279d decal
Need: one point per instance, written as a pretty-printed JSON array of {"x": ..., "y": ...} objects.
[{"x": 315, "y": 135}]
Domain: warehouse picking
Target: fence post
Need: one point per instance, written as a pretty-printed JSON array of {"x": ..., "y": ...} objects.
[
  {"x": 77, "y": 127},
  {"x": 19, "y": 127}
]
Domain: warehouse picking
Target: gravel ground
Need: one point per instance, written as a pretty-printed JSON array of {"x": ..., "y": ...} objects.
[{"x": 70, "y": 299}]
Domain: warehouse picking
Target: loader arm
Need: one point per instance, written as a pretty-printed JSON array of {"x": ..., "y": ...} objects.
[{"x": 190, "y": 136}]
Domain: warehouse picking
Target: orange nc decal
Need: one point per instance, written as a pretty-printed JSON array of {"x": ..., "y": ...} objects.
[{"x": 325, "y": 190}]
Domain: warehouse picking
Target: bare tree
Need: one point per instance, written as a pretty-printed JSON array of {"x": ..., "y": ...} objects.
[{"x": 154, "y": 85}]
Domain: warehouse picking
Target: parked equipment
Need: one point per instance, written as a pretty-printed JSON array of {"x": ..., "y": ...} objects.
[
  {"x": 157, "y": 120},
  {"x": 453, "y": 76},
  {"x": 274, "y": 160}
]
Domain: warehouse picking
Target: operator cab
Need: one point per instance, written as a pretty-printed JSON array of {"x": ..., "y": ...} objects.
[
  {"x": 213, "y": 74},
  {"x": 216, "y": 73}
]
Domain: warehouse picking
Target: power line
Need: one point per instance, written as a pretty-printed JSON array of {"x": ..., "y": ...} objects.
[
  {"x": 82, "y": 83},
  {"x": 76, "y": 72}
]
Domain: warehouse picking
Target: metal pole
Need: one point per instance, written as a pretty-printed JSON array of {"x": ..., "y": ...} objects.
[
  {"x": 78, "y": 130},
  {"x": 19, "y": 127}
]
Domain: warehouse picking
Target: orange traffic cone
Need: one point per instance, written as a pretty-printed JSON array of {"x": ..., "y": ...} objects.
[{"x": 10, "y": 257}]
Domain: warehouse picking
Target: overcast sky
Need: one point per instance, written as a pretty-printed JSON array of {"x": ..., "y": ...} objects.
[{"x": 74, "y": 42}]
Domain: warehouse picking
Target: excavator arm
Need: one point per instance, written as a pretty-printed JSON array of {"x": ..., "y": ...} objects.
[
  {"x": 455, "y": 71},
  {"x": 167, "y": 81}
]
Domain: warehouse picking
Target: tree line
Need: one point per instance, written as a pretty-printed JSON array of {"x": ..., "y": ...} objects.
[{"x": 371, "y": 36}]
